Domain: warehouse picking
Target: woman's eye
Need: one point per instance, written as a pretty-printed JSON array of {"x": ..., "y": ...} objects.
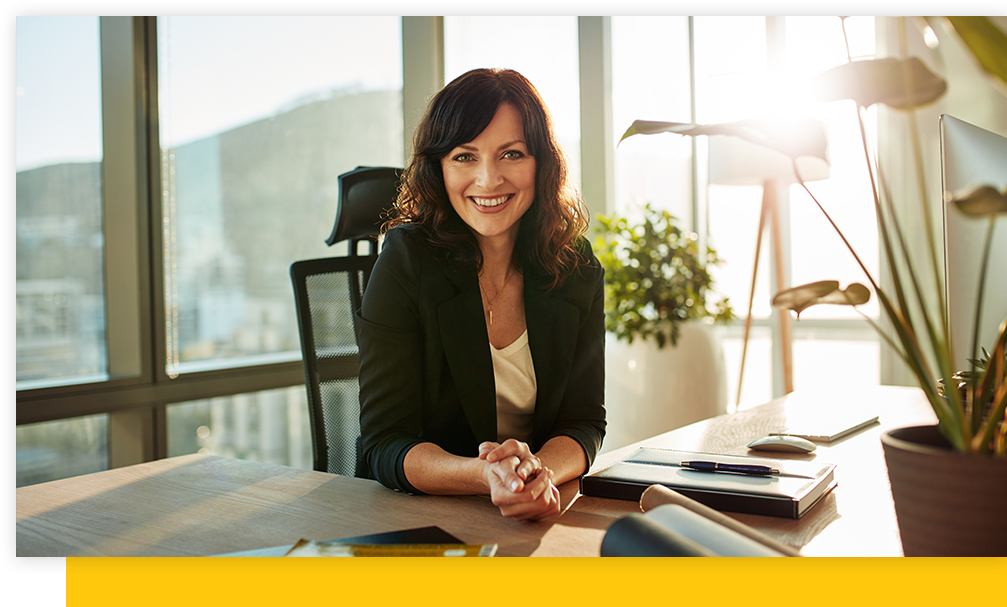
[
  {"x": 513, "y": 154},
  {"x": 462, "y": 158}
]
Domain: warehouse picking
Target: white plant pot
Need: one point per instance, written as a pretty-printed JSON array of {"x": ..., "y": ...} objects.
[{"x": 649, "y": 390}]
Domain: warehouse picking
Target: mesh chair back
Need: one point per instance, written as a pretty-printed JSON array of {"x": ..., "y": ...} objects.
[{"x": 327, "y": 293}]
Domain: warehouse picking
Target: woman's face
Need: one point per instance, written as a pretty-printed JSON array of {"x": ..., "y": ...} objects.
[{"x": 491, "y": 179}]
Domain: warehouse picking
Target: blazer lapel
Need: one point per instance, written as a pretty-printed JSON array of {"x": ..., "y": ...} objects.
[
  {"x": 552, "y": 337},
  {"x": 465, "y": 341}
]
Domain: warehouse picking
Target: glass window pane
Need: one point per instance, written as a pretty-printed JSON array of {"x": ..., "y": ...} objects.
[
  {"x": 730, "y": 61},
  {"x": 49, "y": 451},
  {"x": 60, "y": 282},
  {"x": 815, "y": 44},
  {"x": 736, "y": 81},
  {"x": 757, "y": 385},
  {"x": 650, "y": 81},
  {"x": 543, "y": 49},
  {"x": 836, "y": 364},
  {"x": 733, "y": 213},
  {"x": 258, "y": 117},
  {"x": 738, "y": 78},
  {"x": 270, "y": 426}
]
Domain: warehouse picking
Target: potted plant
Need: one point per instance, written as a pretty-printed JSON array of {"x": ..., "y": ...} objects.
[
  {"x": 949, "y": 482},
  {"x": 668, "y": 368}
]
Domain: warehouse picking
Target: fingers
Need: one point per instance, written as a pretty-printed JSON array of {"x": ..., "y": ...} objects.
[
  {"x": 538, "y": 483},
  {"x": 496, "y": 452},
  {"x": 506, "y": 488},
  {"x": 527, "y": 465},
  {"x": 506, "y": 471},
  {"x": 546, "y": 505},
  {"x": 486, "y": 448},
  {"x": 551, "y": 506},
  {"x": 520, "y": 486},
  {"x": 538, "y": 499},
  {"x": 514, "y": 473}
]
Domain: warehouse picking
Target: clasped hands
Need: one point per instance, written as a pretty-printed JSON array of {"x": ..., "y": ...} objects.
[{"x": 520, "y": 485}]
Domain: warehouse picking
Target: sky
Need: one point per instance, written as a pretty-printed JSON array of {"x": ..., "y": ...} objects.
[
  {"x": 58, "y": 75},
  {"x": 58, "y": 118}
]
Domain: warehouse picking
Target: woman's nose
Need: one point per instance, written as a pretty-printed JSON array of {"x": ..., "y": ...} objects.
[{"x": 488, "y": 175}]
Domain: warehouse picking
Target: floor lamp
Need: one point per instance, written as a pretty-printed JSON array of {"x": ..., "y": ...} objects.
[{"x": 734, "y": 161}]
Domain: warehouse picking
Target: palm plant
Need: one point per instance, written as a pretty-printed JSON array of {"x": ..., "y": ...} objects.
[{"x": 972, "y": 418}]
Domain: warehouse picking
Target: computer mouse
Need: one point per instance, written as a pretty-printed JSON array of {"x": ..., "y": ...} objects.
[{"x": 783, "y": 443}]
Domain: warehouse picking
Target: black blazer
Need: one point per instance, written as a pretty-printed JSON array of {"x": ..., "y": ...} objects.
[{"x": 426, "y": 373}]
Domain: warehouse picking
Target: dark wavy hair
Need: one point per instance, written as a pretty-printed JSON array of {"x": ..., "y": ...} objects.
[{"x": 551, "y": 227}]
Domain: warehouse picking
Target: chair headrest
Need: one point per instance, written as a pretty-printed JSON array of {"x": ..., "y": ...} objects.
[{"x": 365, "y": 195}]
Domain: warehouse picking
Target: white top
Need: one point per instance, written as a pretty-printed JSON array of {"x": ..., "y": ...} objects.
[{"x": 516, "y": 389}]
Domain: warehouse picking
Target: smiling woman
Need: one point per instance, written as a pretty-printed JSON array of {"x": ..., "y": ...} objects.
[{"x": 481, "y": 332}]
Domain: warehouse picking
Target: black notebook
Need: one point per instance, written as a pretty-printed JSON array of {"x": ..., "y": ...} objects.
[{"x": 789, "y": 494}]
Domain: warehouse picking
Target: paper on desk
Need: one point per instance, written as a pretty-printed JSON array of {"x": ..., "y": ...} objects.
[
  {"x": 311, "y": 548},
  {"x": 659, "y": 495},
  {"x": 673, "y": 530}
]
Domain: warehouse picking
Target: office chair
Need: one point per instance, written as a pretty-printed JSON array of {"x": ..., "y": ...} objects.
[{"x": 327, "y": 294}]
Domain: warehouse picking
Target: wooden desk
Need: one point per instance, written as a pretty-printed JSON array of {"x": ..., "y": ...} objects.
[{"x": 199, "y": 505}]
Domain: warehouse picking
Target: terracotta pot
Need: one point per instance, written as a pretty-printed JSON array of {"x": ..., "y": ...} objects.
[{"x": 947, "y": 503}]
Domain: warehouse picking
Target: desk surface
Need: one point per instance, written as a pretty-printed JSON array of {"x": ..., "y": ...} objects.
[{"x": 198, "y": 505}]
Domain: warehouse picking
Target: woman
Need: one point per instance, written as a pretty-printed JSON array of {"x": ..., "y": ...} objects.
[{"x": 482, "y": 327}]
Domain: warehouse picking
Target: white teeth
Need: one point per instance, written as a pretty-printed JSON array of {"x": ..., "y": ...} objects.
[{"x": 490, "y": 202}]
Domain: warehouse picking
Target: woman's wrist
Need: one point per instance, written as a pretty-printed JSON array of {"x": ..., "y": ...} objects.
[
  {"x": 434, "y": 471},
  {"x": 565, "y": 457}
]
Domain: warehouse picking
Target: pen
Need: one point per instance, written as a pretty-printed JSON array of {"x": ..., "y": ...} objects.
[{"x": 736, "y": 468}]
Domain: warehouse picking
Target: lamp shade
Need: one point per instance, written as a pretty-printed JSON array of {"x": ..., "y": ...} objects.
[{"x": 735, "y": 161}]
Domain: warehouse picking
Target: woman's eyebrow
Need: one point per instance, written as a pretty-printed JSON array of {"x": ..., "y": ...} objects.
[{"x": 466, "y": 146}]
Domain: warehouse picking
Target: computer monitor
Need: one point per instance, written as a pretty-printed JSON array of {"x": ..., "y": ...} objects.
[{"x": 972, "y": 156}]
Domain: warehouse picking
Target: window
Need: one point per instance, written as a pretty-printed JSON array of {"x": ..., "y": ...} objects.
[
  {"x": 650, "y": 76},
  {"x": 750, "y": 67},
  {"x": 49, "y": 451},
  {"x": 139, "y": 345},
  {"x": 557, "y": 79},
  {"x": 60, "y": 241},
  {"x": 252, "y": 145},
  {"x": 743, "y": 68},
  {"x": 271, "y": 426},
  {"x": 258, "y": 117}
]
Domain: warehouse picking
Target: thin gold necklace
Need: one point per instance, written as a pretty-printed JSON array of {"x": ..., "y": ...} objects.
[{"x": 489, "y": 302}]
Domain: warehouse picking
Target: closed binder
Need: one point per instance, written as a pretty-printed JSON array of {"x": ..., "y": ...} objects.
[{"x": 789, "y": 494}]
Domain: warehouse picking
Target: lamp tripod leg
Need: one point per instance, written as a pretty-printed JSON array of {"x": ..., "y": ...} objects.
[{"x": 763, "y": 216}]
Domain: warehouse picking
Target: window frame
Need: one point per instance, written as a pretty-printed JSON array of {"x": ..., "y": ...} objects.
[{"x": 138, "y": 389}]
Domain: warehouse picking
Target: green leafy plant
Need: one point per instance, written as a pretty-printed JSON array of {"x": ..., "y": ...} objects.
[
  {"x": 972, "y": 418},
  {"x": 655, "y": 277},
  {"x": 972, "y": 381}
]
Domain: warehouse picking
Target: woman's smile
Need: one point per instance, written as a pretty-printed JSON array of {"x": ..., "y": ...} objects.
[{"x": 490, "y": 202}]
